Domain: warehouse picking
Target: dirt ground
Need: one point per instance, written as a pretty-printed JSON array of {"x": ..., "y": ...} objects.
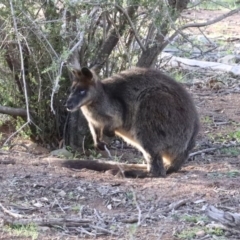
[{"x": 39, "y": 200}]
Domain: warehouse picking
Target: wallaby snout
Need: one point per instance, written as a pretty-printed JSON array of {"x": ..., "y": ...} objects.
[{"x": 75, "y": 100}]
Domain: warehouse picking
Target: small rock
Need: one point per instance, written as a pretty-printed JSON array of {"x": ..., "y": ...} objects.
[
  {"x": 203, "y": 39},
  {"x": 228, "y": 234},
  {"x": 200, "y": 233},
  {"x": 44, "y": 199},
  {"x": 201, "y": 223},
  {"x": 229, "y": 59},
  {"x": 103, "y": 190},
  {"x": 43, "y": 229},
  {"x": 63, "y": 152},
  {"x": 62, "y": 193},
  {"x": 37, "y": 204},
  {"x": 235, "y": 71},
  {"x": 109, "y": 206}
]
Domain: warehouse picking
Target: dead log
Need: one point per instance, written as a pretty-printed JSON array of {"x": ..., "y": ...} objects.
[
  {"x": 226, "y": 218},
  {"x": 192, "y": 64}
]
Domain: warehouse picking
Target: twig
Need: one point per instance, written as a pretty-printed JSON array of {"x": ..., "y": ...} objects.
[
  {"x": 59, "y": 205},
  {"x": 198, "y": 25},
  {"x": 103, "y": 230},
  {"x": 22, "y": 61},
  {"x": 83, "y": 145},
  {"x": 97, "y": 214},
  {"x": 22, "y": 72},
  {"x": 138, "y": 208},
  {"x": 176, "y": 205},
  {"x": 19, "y": 144},
  {"x": 56, "y": 83},
  {"x": 82, "y": 230},
  {"x": 4, "y": 152},
  {"x": 148, "y": 215},
  {"x": 202, "y": 151},
  {"x": 212, "y": 149},
  {"x": 78, "y": 44},
  {"x": 15, "y": 215},
  {"x": 108, "y": 152},
  {"x": 15, "y": 133},
  {"x": 42, "y": 36},
  {"x": 132, "y": 26},
  {"x": 130, "y": 220},
  {"x": 65, "y": 129}
]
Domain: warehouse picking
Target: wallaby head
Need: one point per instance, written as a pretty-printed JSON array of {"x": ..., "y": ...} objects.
[{"x": 83, "y": 89}]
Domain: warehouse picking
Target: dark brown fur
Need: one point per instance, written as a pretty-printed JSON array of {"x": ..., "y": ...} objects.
[{"x": 146, "y": 108}]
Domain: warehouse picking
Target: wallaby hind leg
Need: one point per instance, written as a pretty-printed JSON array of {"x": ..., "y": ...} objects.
[
  {"x": 154, "y": 164},
  {"x": 177, "y": 163}
]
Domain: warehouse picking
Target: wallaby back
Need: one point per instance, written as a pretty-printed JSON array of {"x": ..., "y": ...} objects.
[{"x": 146, "y": 108}]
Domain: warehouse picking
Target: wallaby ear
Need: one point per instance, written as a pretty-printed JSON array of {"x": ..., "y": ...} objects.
[
  {"x": 84, "y": 75},
  {"x": 76, "y": 73},
  {"x": 86, "y": 72}
]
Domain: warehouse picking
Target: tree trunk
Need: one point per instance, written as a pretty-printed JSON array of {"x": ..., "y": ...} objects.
[
  {"x": 77, "y": 132},
  {"x": 149, "y": 57}
]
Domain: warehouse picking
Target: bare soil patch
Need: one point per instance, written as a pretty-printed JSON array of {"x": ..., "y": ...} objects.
[{"x": 64, "y": 203}]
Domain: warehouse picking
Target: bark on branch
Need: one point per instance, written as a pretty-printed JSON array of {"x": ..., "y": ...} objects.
[{"x": 13, "y": 111}]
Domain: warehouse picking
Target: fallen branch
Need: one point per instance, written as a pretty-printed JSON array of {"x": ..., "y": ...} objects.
[
  {"x": 193, "y": 64},
  {"x": 130, "y": 220},
  {"x": 82, "y": 230},
  {"x": 212, "y": 149},
  {"x": 202, "y": 151},
  {"x": 120, "y": 169},
  {"x": 7, "y": 161},
  {"x": 226, "y": 218},
  {"x": 82, "y": 224},
  {"x": 15, "y": 215},
  {"x": 13, "y": 111},
  {"x": 103, "y": 230},
  {"x": 176, "y": 205},
  {"x": 67, "y": 222}
]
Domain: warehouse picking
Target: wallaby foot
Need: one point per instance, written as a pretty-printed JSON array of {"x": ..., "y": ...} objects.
[
  {"x": 177, "y": 163},
  {"x": 156, "y": 168},
  {"x": 100, "y": 145}
]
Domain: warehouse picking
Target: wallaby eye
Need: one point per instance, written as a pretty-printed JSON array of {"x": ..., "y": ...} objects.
[{"x": 82, "y": 92}]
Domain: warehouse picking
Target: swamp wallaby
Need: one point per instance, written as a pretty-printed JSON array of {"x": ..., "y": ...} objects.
[{"x": 148, "y": 109}]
